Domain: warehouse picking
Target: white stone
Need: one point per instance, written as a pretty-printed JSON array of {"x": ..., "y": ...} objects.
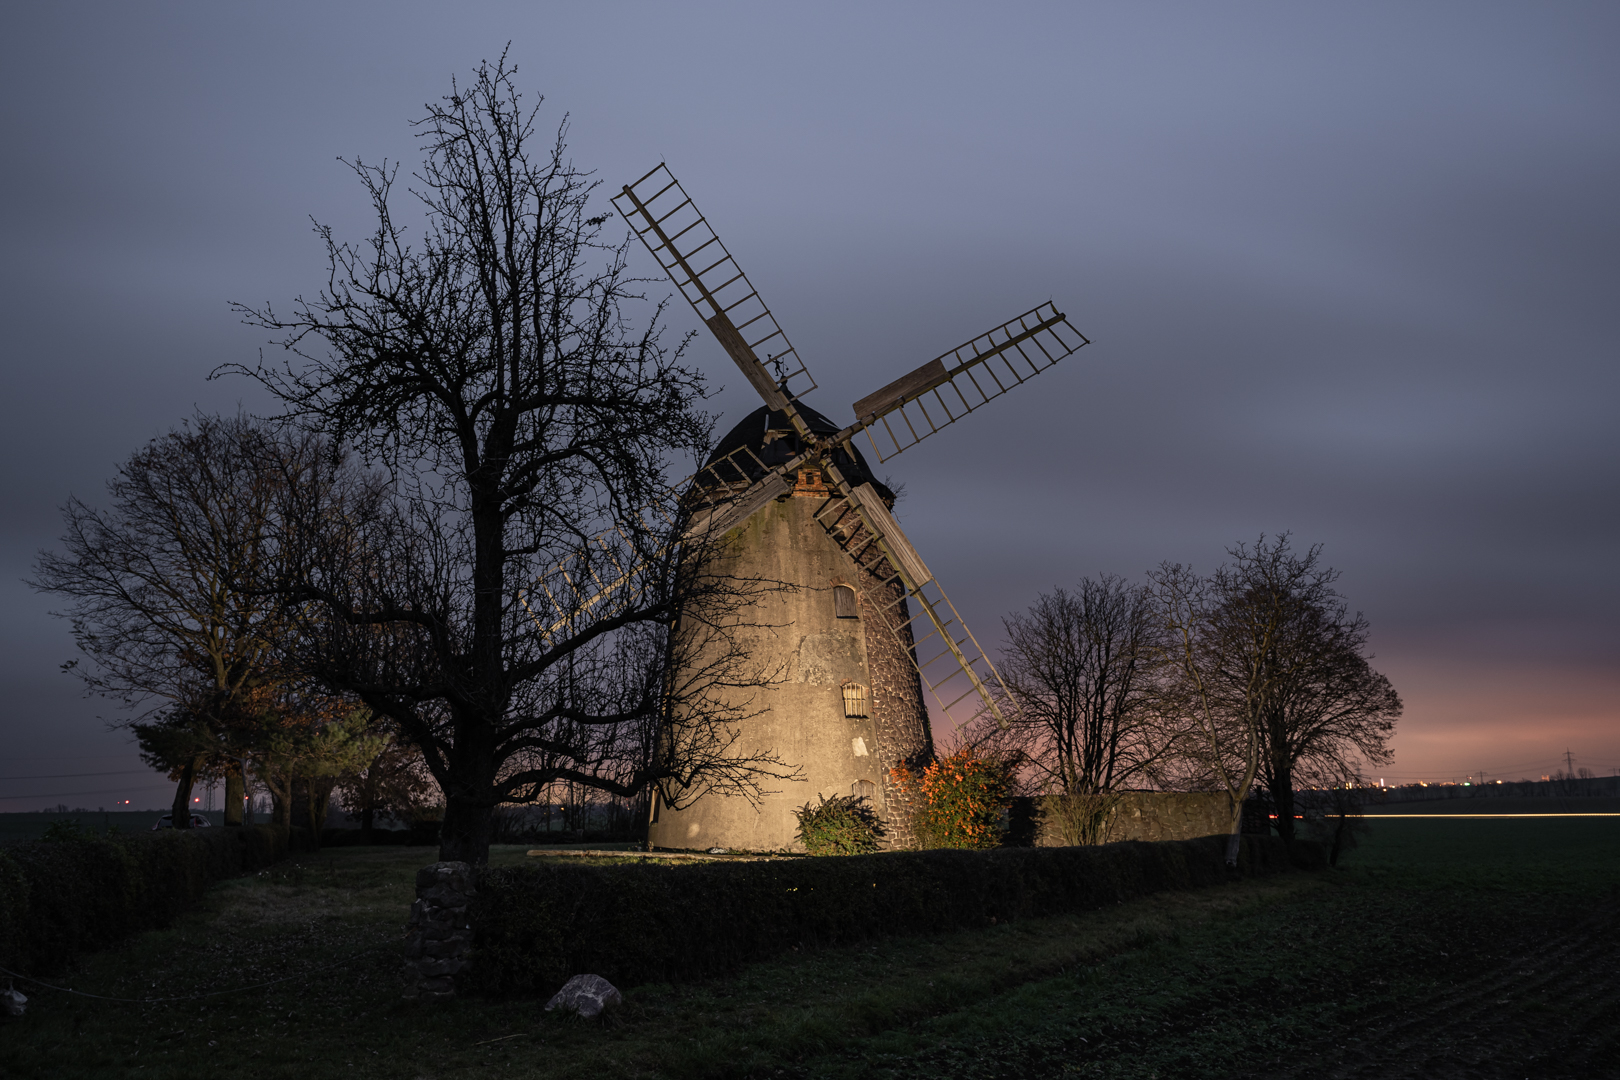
[{"x": 586, "y": 995}]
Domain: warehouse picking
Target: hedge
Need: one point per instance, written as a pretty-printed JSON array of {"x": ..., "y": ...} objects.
[
  {"x": 63, "y": 897},
  {"x": 537, "y": 926}
]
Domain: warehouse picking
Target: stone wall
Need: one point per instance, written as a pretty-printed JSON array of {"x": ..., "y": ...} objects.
[
  {"x": 898, "y": 711},
  {"x": 438, "y": 934},
  {"x": 1157, "y": 815}
]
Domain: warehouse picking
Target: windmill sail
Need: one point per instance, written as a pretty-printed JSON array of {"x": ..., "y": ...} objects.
[
  {"x": 679, "y": 237},
  {"x": 945, "y": 389},
  {"x": 603, "y": 576},
  {"x": 896, "y": 417},
  {"x": 948, "y": 658}
]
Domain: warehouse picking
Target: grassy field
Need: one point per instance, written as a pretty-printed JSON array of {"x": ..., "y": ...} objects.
[
  {"x": 1600, "y": 804},
  {"x": 15, "y": 828},
  {"x": 1443, "y": 948}
]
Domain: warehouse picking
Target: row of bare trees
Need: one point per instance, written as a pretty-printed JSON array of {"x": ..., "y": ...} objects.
[
  {"x": 1257, "y": 674},
  {"x": 460, "y": 529},
  {"x": 170, "y": 609}
]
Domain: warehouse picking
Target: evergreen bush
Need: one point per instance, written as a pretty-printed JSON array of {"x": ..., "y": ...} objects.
[{"x": 841, "y": 825}]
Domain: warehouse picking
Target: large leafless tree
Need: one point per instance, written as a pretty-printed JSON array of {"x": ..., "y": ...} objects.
[
  {"x": 505, "y": 597},
  {"x": 1080, "y": 665},
  {"x": 1247, "y": 683},
  {"x": 1329, "y": 713}
]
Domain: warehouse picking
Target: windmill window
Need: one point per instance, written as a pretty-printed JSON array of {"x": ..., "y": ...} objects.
[
  {"x": 844, "y": 602},
  {"x": 864, "y": 789},
  {"x": 854, "y": 701}
]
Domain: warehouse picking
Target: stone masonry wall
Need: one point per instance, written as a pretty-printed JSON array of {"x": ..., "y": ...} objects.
[
  {"x": 899, "y": 714},
  {"x": 1158, "y": 815},
  {"x": 438, "y": 934}
]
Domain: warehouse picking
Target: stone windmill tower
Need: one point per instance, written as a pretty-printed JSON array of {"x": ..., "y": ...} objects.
[{"x": 867, "y": 629}]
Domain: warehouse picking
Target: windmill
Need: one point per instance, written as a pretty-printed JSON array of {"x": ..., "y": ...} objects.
[{"x": 795, "y": 501}]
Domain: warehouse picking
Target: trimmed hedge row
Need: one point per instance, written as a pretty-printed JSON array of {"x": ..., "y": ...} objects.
[
  {"x": 537, "y": 926},
  {"x": 63, "y": 897},
  {"x": 415, "y": 836}
]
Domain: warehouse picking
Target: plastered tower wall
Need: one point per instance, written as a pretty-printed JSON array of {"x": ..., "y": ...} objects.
[{"x": 801, "y": 716}]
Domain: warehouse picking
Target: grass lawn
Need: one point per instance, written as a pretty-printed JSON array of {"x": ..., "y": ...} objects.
[{"x": 1442, "y": 948}]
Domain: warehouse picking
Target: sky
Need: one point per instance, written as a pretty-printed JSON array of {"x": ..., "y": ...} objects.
[{"x": 1350, "y": 271}]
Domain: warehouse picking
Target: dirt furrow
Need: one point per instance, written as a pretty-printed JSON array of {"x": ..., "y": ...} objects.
[{"x": 1480, "y": 1020}]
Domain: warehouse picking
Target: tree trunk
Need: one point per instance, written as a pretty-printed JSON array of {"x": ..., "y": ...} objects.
[
  {"x": 468, "y": 814},
  {"x": 180, "y": 812},
  {"x": 280, "y": 800},
  {"x": 1234, "y": 840},
  {"x": 317, "y": 816},
  {"x": 1282, "y": 797},
  {"x": 320, "y": 793},
  {"x": 233, "y": 797},
  {"x": 468, "y": 810},
  {"x": 464, "y": 836},
  {"x": 1341, "y": 830},
  {"x": 368, "y": 816}
]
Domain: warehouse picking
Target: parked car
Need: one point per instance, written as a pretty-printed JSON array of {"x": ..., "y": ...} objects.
[{"x": 167, "y": 822}]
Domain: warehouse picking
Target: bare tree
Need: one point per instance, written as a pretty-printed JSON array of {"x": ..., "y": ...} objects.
[
  {"x": 1080, "y": 666},
  {"x": 157, "y": 606},
  {"x": 1237, "y": 644},
  {"x": 505, "y": 598},
  {"x": 1328, "y": 711}
]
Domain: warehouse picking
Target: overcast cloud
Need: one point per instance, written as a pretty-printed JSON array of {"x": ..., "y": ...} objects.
[{"x": 1350, "y": 271}]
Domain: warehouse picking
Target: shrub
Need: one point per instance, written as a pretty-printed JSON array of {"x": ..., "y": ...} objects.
[
  {"x": 841, "y": 825},
  {"x": 961, "y": 800},
  {"x": 79, "y": 891},
  {"x": 1079, "y": 817},
  {"x": 535, "y": 926}
]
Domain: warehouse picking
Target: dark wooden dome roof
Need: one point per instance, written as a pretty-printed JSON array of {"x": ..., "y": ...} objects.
[{"x": 772, "y": 439}]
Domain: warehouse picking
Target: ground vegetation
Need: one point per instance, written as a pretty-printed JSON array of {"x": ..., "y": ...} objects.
[
  {"x": 960, "y": 800},
  {"x": 1440, "y": 946},
  {"x": 841, "y": 825}
]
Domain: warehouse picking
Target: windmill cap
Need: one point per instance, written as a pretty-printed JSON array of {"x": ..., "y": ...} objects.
[{"x": 769, "y": 435}]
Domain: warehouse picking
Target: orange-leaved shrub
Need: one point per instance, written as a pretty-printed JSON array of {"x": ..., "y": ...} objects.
[{"x": 960, "y": 799}]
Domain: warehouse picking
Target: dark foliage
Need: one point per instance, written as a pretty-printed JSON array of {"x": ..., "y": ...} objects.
[
  {"x": 538, "y": 925},
  {"x": 78, "y": 891},
  {"x": 502, "y": 591}
]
